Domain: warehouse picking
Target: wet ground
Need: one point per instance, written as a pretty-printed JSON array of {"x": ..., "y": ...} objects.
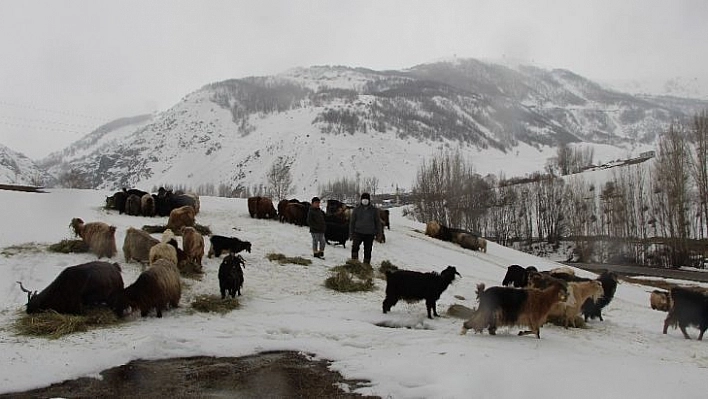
[{"x": 265, "y": 375}]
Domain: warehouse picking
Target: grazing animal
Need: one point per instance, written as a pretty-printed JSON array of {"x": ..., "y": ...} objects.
[
  {"x": 159, "y": 287},
  {"x": 133, "y": 205},
  {"x": 164, "y": 250},
  {"x": 76, "y": 287},
  {"x": 506, "y": 306},
  {"x": 415, "y": 286},
  {"x": 193, "y": 245},
  {"x": 335, "y": 208},
  {"x": 261, "y": 208},
  {"x": 117, "y": 201},
  {"x": 147, "y": 205},
  {"x": 518, "y": 276},
  {"x": 660, "y": 300},
  {"x": 578, "y": 293},
  {"x": 99, "y": 236},
  {"x": 137, "y": 244},
  {"x": 384, "y": 214},
  {"x": 470, "y": 241},
  {"x": 233, "y": 245},
  {"x": 282, "y": 205},
  {"x": 593, "y": 309},
  {"x": 689, "y": 307},
  {"x": 295, "y": 213},
  {"x": 181, "y": 217},
  {"x": 181, "y": 256},
  {"x": 231, "y": 275},
  {"x": 185, "y": 199},
  {"x": 337, "y": 232}
]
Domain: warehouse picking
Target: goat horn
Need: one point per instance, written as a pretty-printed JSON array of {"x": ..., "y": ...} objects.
[{"x": 23, "y": 288}]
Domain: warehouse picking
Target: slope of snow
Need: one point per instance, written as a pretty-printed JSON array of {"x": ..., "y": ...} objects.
[{"x": 287, "y": 307}]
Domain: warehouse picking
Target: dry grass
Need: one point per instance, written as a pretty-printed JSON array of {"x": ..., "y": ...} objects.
[
  {"x": 282, "y": 259},
  {"x": 54, "y": 325},
  {"x": 69, "y": 246},
  {"x": 30, "y": 247},
  {"x": 159, "y": 229},
  {"x": 353, "y": 276},
  {"x": 214, "y": 304},
  {"x": 460, "y": 311}
]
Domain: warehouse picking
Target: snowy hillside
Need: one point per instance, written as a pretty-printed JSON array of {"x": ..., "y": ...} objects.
[
  {"x": 287, "y": 307},
  {"x": 16, "y": 168},
  {"x": 334, "y": 122}
]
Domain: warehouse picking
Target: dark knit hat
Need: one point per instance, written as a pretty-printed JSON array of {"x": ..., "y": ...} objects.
[
  {"x": 315, "y": 199},
  {"x": 366, "y": 196}
]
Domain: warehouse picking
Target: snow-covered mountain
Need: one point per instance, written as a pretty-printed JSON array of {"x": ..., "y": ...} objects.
[
  {"x": 16, "y": 168},
  {"x": 329, "y": 122}
]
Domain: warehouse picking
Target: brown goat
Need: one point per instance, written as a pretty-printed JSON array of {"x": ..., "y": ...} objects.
[
  {"x": 159, "y": 287},
  {"x": 137, "y": 244},
  {"x": 99, "y": 236},
  {"x": 193, "y": 244},
  {"x": 181, "y": 217},
  {"x": 578, "y": 293},
  {"x": 506, "y": 306}
]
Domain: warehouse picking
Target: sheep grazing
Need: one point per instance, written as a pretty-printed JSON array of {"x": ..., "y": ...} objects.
[
  {"x": 159, "y": 287},
  {"x": 193, "y": 245},
  {"x": 164, "y": 250},
  {"x": 231, "y": 244},
  {"x": 414, "y": 286},
  {"x": 137, "y": 244},
  {"x": 181, "y": 217},
  {"x": 99, "y": 236},
  {"x": 147, "y": 205},
  {"x": 231, "y": 275},
  {"x": 660, "y": 300},
  {"x": 593, "y": 309},
  {"x": 517, "y": 276},
  {"x": 578, "y": 293},
  {"x": 506, "y": 306},
  {"x": 689, "y": 307}
]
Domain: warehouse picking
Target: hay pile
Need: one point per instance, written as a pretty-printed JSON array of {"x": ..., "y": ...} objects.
[
  {"x": 214, "y": 304},
  {"x": 54, "y": 325},
  {"x": 282, "y": 259},
  {"x": 69, "y": 246},
  {"x": 353, "y": 276}
]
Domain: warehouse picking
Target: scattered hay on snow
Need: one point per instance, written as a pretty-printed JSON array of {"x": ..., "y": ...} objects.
[
  {"x": 69, "y": 246},
  {"x": 214, "y": 304},
  {"x": 459, "y": 311},
  {"x": 353, "y": 276},
  {"x": 54, "y": 325},
  {"x": 282, "y": 259}
]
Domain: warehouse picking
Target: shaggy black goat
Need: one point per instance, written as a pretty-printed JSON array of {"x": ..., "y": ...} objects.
[
  {"x": 593, "y": 309},
  {"x": 233, "y": 245},
  {"x": 689, "y": 307},
  {"x": 414, "y": 286},
  {"x": 231, "y": 275},
  {"x": 518, "y": 276}
]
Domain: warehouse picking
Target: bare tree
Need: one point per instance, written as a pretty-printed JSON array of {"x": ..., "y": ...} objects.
[
  {"x": 699, "y": 136},
  {"x": 279, "y": 178}
]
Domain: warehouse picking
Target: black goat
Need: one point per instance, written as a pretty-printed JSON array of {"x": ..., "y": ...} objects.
[
  {"x": 414, "y": 286},
  {"x": 689, "y": 307},
  {"x": 231, "y": 275},
  {"x": 231, "y": 244},
  {"x": 518, "y": 276},
  {"x": 593, "y": 309}
]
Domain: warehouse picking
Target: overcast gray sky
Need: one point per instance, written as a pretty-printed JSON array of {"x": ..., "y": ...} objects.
[{"x": 68, "y": 66}]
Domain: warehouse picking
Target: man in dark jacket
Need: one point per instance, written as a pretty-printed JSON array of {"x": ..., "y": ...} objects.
[
  {"x": 318, "y": 227},
  {"x": 364, "y": 225}
]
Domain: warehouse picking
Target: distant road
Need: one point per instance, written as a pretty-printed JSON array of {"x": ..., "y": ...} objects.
[{"x": 627, "y": 270}]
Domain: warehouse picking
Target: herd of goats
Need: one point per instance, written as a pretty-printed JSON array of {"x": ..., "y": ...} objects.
[{"x": 527, "y": 297}]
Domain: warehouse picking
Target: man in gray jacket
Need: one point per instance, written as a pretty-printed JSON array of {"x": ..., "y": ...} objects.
[{"x": 364, "y": 225}]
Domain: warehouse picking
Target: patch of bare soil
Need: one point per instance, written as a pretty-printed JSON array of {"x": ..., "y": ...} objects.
[{"x": 265, "y": 375}]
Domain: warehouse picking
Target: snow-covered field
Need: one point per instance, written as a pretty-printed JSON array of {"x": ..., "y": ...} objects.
[{"x": 286, "y": 307}]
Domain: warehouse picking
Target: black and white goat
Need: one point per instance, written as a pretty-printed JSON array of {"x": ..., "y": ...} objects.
[{"x": 414, "y": 286}]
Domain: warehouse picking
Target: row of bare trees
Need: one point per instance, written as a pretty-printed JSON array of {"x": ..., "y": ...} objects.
[{"x": 651, "y": 212}]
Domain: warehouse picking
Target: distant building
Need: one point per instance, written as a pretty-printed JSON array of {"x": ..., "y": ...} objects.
[{"x": 647, "y": 154}]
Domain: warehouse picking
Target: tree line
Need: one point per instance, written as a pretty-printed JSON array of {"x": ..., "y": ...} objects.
[{"x": 646, "y": 213}]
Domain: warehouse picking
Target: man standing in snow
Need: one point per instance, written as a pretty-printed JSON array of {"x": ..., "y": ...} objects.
[
  {"x": 318, "y": 226},
  {"x": 364, "y": 224}
]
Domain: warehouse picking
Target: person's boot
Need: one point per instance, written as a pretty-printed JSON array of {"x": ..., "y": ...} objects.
[{"x": 321, "y": 255}]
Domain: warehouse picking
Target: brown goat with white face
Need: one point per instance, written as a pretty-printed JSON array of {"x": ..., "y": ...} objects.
[
  {"x": 578, "y": 293},
  {"x": 193, "y": 245},
  {"x": 99, "y": 236}
]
